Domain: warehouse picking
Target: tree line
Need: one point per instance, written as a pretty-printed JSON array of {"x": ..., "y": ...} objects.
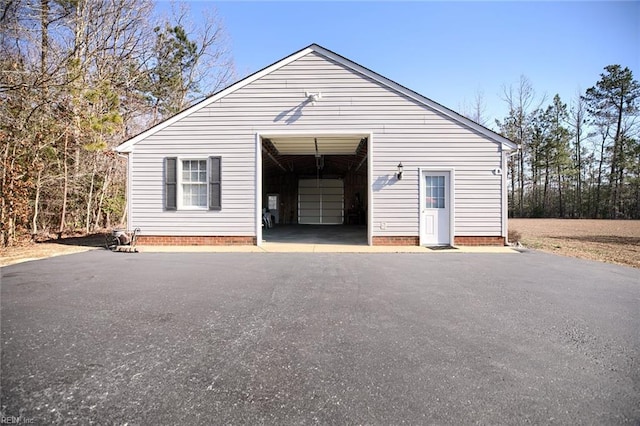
[
  {"x": 78, "y": 77},
  {"x": 575, "y": 161}
]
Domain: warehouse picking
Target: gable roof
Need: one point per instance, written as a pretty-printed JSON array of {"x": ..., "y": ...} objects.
[{"x": 127, "y": 146}]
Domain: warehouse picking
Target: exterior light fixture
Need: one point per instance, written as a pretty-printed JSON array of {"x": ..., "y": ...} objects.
[
  {"x": 400, "y": 169},
  {"x": 313, "y": 97}
]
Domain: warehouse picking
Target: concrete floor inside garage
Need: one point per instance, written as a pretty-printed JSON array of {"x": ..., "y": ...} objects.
[{"x": 353, "y": 235}]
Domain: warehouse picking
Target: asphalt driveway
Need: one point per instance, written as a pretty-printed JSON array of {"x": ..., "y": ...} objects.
[{"x": 274, "y": 338}]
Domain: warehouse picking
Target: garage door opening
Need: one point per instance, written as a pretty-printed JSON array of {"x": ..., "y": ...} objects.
[{"x": 315, "y": 189}]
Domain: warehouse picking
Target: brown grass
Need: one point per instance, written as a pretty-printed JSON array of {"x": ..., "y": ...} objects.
[
  {"x": 613, "y": 241},
  {"x": 29, "y": 250}
]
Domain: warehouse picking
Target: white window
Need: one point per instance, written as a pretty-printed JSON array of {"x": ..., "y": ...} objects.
[
  {"x": 272, "y": 202},
  {"x": 194, "y": 184},
  {"x": 434, "y": 189}
]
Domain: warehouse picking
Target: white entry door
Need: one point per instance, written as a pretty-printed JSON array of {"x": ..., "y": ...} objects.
[{"x": 435, "y": 208}]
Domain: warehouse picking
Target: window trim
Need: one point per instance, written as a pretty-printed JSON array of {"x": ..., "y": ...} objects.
[
  {"x": 179, "y": 184},
  {"x": 436, "y": 201}
]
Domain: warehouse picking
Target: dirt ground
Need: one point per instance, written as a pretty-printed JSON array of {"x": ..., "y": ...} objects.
[
  {"x": 48, "y": 248},
  {"x": 613, "y": 241}
]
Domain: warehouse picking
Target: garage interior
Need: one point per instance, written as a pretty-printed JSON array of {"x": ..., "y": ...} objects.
[{"x": 314, "y": 189}]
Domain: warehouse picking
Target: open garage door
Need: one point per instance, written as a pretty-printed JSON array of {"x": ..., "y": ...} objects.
[
  {"x": 320, "y": 201},
  {"x": 322, "y": 188}
]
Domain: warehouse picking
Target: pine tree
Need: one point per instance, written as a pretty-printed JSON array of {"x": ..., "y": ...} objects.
[{"x": 613, "y": 100}]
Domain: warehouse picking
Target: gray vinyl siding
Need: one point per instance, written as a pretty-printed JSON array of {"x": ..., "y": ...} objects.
[
  {"x": 403, "y": 131},
  {"x": 236, "y": 217}
]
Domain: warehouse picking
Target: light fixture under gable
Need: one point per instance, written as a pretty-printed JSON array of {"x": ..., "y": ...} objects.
[
  {"x": 400, "y": 170},
  {"x": 313, "y": 97}
]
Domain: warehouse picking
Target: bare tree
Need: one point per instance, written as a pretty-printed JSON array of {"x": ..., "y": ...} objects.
[
  {"x": 522, "y": 105},
  {"x": 187, "y": 66},
  {"x": 74, "y": 82},
  {"x": 477, "y": 109}
]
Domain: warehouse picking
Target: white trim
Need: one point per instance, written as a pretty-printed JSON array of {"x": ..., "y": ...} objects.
[
  {"x": 370, "y": 189},
  {"x": 452, "y": 198},
  {"x": 505, "y": 143},
  {"x": 452, "y": 206},
  {"x": 179, "y": 183},
  {"x": 129, "y": 222},
  {"x": 318, "y": 133},
  {"x": 258, "y": 206},
  {"x": 356, "y": 133},
  {"x": 505, "y": 200}
]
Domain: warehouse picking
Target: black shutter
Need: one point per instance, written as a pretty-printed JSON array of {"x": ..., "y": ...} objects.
[
  {"x": 170, "y": 183},
  {"x": 215, "y": 180}
]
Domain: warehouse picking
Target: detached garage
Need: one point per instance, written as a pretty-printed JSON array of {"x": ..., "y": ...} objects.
[{"x": 316, "y": 140}]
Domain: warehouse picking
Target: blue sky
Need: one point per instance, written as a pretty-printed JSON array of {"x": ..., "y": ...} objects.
[{"x": 447, "y": 51}]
